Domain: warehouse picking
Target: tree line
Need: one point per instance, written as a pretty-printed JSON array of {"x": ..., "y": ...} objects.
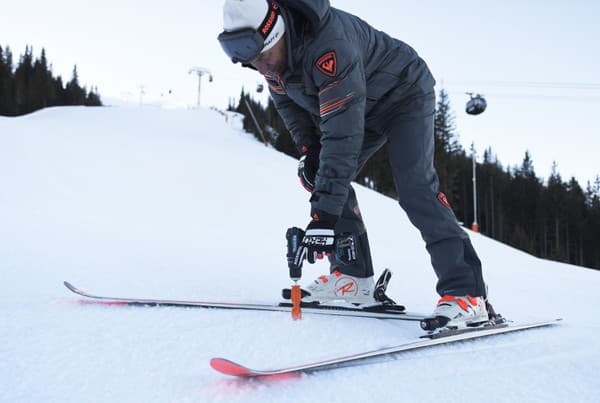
[
  {"x": 30, "y": 85},
  {"x": 554, "y": 219}
]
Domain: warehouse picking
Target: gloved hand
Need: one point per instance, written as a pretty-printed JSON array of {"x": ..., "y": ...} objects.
[
  {"x": 319, "y": 239},
  {"x": 308, "y": 166}
]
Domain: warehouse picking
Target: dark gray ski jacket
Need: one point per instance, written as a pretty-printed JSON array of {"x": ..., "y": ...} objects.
[{"x": 346, "y": 77}]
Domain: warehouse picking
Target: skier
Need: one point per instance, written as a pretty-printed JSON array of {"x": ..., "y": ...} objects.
[{"x": 343, "y": 90}]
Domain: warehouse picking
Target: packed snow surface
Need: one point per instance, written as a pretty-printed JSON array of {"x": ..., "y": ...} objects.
[{"x": 180, "y": 204}]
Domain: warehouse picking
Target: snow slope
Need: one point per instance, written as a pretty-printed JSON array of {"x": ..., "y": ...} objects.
[{"x": 177, "y": 204}]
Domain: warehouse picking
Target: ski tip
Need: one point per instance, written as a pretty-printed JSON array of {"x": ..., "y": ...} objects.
[
  {"x": 69, "y": 285},
  {"x": 72, "y": 288},
  {"x": 231, "y": 368}
]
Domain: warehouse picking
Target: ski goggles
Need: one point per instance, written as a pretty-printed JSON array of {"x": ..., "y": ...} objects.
[{"x": 244, "y": 45}]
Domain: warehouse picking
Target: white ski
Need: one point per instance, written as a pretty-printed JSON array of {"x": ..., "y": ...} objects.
[{"x": 376, "y": 312}]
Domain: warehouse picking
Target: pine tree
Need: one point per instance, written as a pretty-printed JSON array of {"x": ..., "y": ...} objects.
[
  {"x": 5, "y": 84},
  {"x": 576, "y": 214},
  {"x": 59, "y": 91},
  {"x": 555, "y": 199},
  {"x": 592, "y": 226},
  {"x": 93, "y": 98},
  {"x": 444, "y": 125},
  {"x": 22, "y": 81},
  {"x": 524, "y": 196},
  {"x": 526, "y": 169},
  {"x": 40, "y": 83},
  {"x": 74, "y": 94},
  {"x": 8, "y": 92}
]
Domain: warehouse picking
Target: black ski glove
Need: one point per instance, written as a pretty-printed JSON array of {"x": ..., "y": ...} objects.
[
  {"x": 319, "y": 238},
  {"x": 308, "y": 166}
]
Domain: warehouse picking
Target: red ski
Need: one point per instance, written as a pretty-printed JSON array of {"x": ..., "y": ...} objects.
[{"x": 232, "y": 368}]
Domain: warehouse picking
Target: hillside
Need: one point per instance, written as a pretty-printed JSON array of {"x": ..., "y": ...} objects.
[{"x": 177, "y": 204}]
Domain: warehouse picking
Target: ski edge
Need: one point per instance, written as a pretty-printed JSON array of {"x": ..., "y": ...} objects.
[{"x": 232, "y": 368}]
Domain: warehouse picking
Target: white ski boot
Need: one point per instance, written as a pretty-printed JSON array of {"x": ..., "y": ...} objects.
[
  {"x": 341, "y": 287},
  {"x": 460, "y": 311}
]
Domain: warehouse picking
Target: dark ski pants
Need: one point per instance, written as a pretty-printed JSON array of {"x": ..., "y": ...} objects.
[{"x": 410, "y": 139}]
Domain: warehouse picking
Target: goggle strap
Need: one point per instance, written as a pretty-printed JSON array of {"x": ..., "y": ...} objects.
[{"x": 268, "y": 23}]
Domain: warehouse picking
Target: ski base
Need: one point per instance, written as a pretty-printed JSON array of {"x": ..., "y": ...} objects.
[{"x": 232, "y": 368}]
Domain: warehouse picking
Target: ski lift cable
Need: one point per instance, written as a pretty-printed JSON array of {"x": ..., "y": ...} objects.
[
  {"x": 562, "y": 96},
  {"x": 526, "y": 84},
  {"x": 542, "y": 97}
]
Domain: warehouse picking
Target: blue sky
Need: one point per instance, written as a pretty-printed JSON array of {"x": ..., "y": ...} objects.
[{"x": 535, "y": 61}]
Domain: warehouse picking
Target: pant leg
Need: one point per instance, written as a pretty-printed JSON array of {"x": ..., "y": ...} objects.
[
  {"x": 411, "y": 150},
  {"x": 351, "y": 221},
  {"x": 351, "y": 218}
]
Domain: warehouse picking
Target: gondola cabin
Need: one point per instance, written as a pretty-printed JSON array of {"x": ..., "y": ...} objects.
[{"x": 476, "y": 104}]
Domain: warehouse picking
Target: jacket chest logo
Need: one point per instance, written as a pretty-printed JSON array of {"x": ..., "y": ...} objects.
[{"x": 327, "y": 64}]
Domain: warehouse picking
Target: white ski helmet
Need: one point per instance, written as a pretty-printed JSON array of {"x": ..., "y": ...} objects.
[{"x": 254, "y": 14}]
